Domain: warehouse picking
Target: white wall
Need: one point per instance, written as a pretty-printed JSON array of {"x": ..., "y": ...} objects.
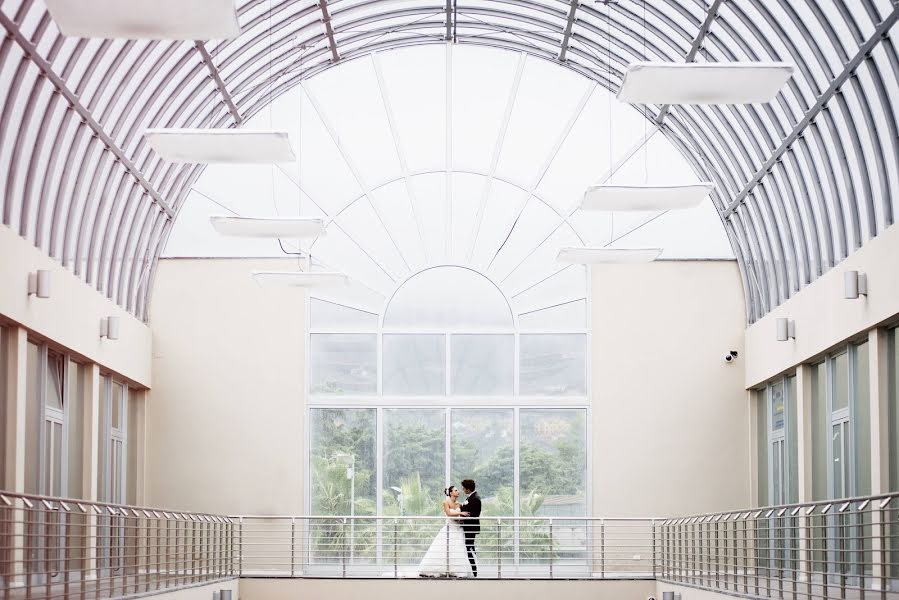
[
  {"x": 823, "y": 317},
  {"x": 225, "y": 412},
  {"x": 70, "y": 317},
  {"x": 670, "y": 417}
]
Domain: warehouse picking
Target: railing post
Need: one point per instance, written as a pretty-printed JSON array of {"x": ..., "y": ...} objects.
[
  {"x": 653, "y": 529},
  {"x": 551, "y": 552},
  {"x": 293, "y": 541},
  {"x": 240, "y": 547},
  {"x": 396, "y": 569},
  {"x": 345, "y": 553},
  {"x": 602, "y": 548},
  {"x": 499, "y": 548}
]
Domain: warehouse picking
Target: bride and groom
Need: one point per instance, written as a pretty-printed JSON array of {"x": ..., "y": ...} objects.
[{"x": 454, "y": 544}]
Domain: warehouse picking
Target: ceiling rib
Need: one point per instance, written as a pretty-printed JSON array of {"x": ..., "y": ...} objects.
[
  {"x": 47, "y": 72},
  {"x": 329, "y": 30},
  {"x": 566, "y": 36},
  {"x": 216, "y": 76},
  {"x": 848, "y": 72},
  {"x": 697, "y": 44}
]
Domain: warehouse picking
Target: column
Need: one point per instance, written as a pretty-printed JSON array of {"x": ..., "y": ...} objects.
[
  {"x": 805, "y": 471},
  {"x": 13, "y": 476},
  {"x": 878, "y": 364},
  {"x": 91, "y": 462}
]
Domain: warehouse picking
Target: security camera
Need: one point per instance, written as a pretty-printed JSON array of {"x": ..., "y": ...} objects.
[{"x": 730, "y": 356}]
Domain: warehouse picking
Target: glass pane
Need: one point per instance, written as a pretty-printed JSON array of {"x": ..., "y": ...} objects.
[
  {"x": 553, "y": 365},
  {"x": 450, "y": 298},
  {"x": 326, "y": 315},
  {"x": 117, "y": 400},
  {"x": 792, "y": 438},
  {"x": 483, "y": 450},
  {"x": 105, "y": 447},
  {"x": 777, "y": 473},
  {"x": 820, "y": 429},
  {"x": 33, "y": 450},
  {"x": 777, "y": 407},
  {"x": 840, "y": 381},
  {"x": 861, "y": 421},
  {"x": 482, "y": 365},
  {"x": 342, "y": 450},
  {"x": 47, "y": 458},
  {"x": 414, "y": 365},
  {"x": 343, "y": 364},
  {"x": 75, "y": 426},
  {"x": 761, "y": 445},
  {"x": 56, "y": 467},
  {"x": 55, "y": 371},
  {"x": 571, "y": 315},
  {"x": 414, "y": 461},
  {"x": 838, "y": 489},
  {"x": 553, "y": 462}
]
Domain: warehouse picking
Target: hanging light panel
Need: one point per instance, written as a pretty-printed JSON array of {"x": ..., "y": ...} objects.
[
  {"x": 588, "y": 256},
  {"x": 703, "y": 83},
  {"x": 281, "y": 227},
  {"x": 306, "y": 279},
  {"x": 229, "y": 146},
  {"x": 645, "y": 197},
  {"x": 146, "y": 19}
]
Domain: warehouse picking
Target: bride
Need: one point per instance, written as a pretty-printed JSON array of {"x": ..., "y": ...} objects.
[{"x": 447, "y": 556}]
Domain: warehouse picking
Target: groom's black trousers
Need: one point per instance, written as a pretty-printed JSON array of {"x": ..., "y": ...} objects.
[{"x": 469, "y": 546}]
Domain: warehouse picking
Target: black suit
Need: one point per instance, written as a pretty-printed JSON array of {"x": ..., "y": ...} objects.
[{"x": 472, "y": 527}]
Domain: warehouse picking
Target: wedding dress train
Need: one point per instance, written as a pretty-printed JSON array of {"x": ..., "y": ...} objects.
[{"x": 447, "y": 556}]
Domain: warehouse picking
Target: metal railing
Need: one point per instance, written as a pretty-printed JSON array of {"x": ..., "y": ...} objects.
[
  {"x": 833, "y": 549},
  {"x": 505, "y": 548},
  {"x": 56, "y": 548}
]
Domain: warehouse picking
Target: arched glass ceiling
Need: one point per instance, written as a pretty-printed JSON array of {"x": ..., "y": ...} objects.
[
  {"x": 802, "y": 181},
  {"x": 450, "y": 155}
]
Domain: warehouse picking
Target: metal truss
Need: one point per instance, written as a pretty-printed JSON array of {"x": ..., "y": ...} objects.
[{"x": 801, "y": 182}]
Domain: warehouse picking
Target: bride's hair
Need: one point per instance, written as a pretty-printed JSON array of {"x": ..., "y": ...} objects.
[{"x": 448, "y": 491}]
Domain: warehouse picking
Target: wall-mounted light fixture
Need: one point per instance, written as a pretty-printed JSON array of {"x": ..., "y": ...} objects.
[
  {"x": 786, "y": 329},
  {"x": 39, "y": 284},
  {"x": 855, "y": 283},
  {"x": 109, "y": 328}
]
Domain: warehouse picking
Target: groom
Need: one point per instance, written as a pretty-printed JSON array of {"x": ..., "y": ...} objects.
[{"x": 471, "y": 525}]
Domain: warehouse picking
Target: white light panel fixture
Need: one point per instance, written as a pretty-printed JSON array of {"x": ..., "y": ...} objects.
[
  {"x": 300, "y": 279},
  {"x": 586, "y": 256},
  {"x": 229, "y": 146},
  {"x": 146, "y": 19},
  {"x": 256, "y": 227},
  {"x": 703, "y": 83},
  {"x": 645, "y": 197}
]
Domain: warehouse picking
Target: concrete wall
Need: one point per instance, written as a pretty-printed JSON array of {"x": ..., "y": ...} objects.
[
  {"x": 225, "y": 413},
  {"x": 670, "y": 417},
  {"x": 326, "y": 589},
  {"x": 823, "y": 317},
  {"x": 70, "y": 317}
]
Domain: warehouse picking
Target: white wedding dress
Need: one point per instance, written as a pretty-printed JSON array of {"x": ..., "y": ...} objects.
[{"x": 447, "y": 556}]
